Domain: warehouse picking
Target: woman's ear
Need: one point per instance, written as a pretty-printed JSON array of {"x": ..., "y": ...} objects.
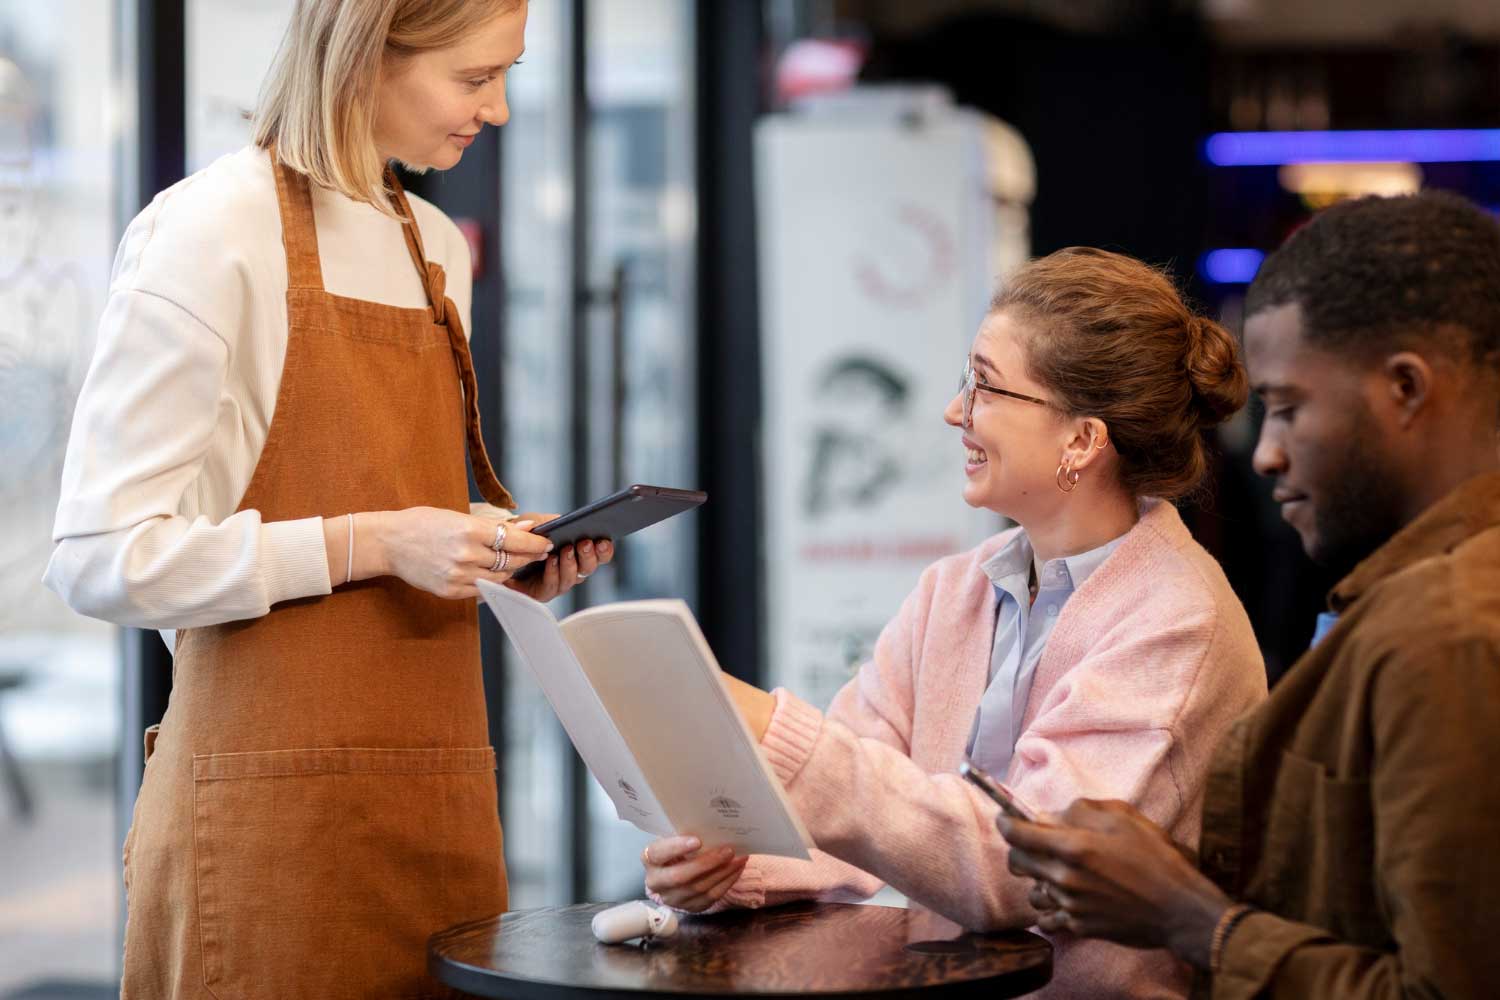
[{"x": 1090, "y": 438}]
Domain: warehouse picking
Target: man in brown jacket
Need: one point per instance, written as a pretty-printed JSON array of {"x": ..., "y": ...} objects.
[{"x": 1351, "y": 825}]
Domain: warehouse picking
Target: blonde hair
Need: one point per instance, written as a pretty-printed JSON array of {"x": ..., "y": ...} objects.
[{"x": 318, "y": 103}]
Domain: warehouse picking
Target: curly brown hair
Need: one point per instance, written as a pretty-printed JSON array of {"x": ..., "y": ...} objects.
[{"x": 1377, "y": 275}]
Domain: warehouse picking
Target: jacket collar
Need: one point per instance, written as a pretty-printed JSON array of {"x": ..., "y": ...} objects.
[{"x": 1471, "y": 508}]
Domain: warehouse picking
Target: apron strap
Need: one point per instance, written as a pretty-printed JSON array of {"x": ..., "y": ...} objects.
[
  {"x": 444, "y": 312},
  {"x": 433, "y": 280},
  {"x": 299, "y": 233}
]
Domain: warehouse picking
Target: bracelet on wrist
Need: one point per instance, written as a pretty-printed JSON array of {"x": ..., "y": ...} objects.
[
  {"x": 1226, "y": 925},
  {"x": 349, "y": 559}
]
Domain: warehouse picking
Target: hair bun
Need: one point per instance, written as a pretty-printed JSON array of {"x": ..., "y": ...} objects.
[{"x": 1220, "y": 385}]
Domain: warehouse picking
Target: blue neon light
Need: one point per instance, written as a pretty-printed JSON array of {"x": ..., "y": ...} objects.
[
  {"x": 1269, "y": 149},
  {"x": 1230, "y": 266}
]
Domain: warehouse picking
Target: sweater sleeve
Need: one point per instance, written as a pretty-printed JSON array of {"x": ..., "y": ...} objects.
[{"x": 142, "y": 427}]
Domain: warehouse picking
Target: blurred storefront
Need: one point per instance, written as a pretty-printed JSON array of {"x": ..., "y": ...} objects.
[
  {"x": 587, "y": 361},
  {"x": 667, "y": 291},
  {"x": 1197, "y": 136}
]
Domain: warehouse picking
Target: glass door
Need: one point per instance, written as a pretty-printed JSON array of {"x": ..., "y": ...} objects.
[
  {"x": 599, "y": 214},
  {"x": 536, "y": 233},
  {"x": 641, "y": 377}
]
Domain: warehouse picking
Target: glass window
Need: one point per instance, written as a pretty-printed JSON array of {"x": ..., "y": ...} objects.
[
  {"x": 59, "y": 673},
  {"x": 230, "y": 45}
]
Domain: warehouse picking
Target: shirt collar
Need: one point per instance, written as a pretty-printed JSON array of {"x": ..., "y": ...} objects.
[
  {"x": 1471, "y": 508},
  {"x": 1015, "y": 558}
]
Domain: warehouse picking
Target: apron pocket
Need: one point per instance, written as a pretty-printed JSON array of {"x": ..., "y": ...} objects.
[{"x": 322, "y": 872}]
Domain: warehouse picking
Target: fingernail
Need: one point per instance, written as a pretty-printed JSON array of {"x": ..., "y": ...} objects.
[
  {"x": 526, "y": 525},
  {"x": 585, "y": 548},
  {"x": 693, "y": 843},
  {"x": 550, "y": 547}
]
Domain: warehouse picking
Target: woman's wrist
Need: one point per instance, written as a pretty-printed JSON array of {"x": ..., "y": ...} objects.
[
  {"x": 356, "y": 547},
  {"x": 756, "y": 706},
  {"x": 371, "y": 555}
]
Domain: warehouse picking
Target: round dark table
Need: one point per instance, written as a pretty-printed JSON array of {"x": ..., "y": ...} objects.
[{"x": 822, "y": 950}]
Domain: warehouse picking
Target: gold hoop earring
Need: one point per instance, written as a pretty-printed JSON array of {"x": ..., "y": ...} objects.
[{"x": 1067, "y": 474}]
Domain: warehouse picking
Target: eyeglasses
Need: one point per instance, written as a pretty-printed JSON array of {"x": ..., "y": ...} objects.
[{"x": 968, "y": 384}]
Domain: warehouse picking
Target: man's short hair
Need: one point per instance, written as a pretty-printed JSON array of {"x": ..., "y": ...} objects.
[{"x": 1377, "y": 275}]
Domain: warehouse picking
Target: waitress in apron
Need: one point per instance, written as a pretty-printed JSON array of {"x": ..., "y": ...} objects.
[{"x": 269, "y": 460}]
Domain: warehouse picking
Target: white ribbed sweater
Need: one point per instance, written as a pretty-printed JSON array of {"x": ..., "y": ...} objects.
[{"x": 182, "y": 388}]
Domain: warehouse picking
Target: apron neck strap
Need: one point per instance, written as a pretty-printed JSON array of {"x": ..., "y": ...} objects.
[
  {"x": 443, "y": 312},
  {"x": 299, "y": 234},
  {"x": 429, "y": 272}
]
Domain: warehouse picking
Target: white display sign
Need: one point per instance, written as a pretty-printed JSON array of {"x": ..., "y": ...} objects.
[{"x": 882, "y": 232}]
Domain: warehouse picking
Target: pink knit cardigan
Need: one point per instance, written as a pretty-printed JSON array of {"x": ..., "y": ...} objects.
[{"x": 1149, "y": 662}]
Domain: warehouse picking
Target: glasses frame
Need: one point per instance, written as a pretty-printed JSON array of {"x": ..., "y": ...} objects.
[{"x": 971, "y": 383}]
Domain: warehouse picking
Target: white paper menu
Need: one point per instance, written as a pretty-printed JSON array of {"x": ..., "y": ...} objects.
[{"x": 637, "y": 689}]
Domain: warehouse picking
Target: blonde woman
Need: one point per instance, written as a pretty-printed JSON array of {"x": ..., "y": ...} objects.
[{"x": 268, "y": 458}]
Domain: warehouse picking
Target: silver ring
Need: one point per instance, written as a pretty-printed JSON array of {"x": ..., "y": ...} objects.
[
  {"x": 499, "y": 537},
  {"x": 495, "y": 566},
  {"x": 583, "y": 576}
]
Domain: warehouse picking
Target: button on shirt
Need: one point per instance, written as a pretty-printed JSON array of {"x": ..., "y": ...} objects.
[{"x": 1021, "y": 632}]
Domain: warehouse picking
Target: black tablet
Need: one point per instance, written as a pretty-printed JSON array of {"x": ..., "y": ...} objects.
[{"x": 614, "y": 517}]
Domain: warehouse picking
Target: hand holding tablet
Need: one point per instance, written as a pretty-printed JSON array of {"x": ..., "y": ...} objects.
[{"x": 614, "y": 517}]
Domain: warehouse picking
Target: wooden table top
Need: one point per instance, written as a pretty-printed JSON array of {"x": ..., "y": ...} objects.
[{"x": 827, "y": 950}]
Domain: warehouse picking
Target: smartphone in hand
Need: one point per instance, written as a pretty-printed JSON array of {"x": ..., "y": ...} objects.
[{"x": 1002, "y": 796}]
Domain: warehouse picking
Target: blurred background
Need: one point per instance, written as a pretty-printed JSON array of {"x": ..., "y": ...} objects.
[{"x": 736, "y": 245}]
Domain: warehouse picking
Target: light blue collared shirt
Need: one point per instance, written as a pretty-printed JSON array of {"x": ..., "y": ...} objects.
[
  {"x": 1325, "y": 623},
  {"x": 1021, "y": 632}
]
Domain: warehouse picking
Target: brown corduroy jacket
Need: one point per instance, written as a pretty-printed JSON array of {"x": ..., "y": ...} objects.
[{"x": 1359, "y": 808}]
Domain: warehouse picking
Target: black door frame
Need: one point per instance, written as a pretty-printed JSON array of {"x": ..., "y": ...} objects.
[{"x": 151, "y": 54}]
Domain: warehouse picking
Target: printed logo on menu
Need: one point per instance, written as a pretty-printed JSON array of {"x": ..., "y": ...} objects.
[{"x": 725, "y": 806}]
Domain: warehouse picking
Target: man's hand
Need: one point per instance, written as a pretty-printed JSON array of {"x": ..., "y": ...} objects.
[{"x": 1104, "y": 870}]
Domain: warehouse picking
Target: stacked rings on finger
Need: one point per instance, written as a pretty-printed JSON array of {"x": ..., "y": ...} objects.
[
  {"x": 499, "y": 537},
  {"x": 502, "y": 559}
]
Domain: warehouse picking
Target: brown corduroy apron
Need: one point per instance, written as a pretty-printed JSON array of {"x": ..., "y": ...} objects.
[{"x": 320, "y": 796}]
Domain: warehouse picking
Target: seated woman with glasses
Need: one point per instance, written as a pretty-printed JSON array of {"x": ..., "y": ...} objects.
[{"x": 1095, "y": 650}]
